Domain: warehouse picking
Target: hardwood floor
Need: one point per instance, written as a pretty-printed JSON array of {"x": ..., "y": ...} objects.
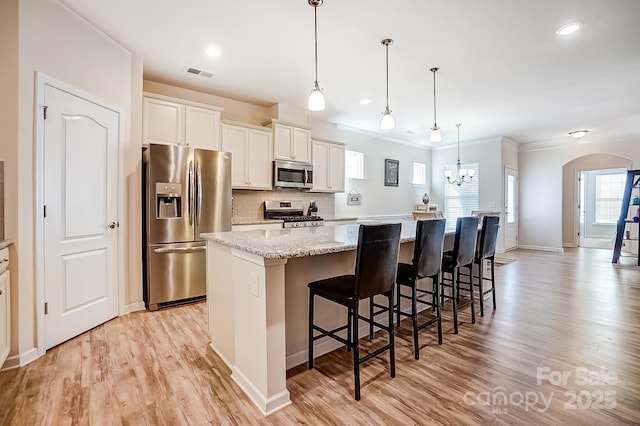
[{"x": 573, "y": 313}]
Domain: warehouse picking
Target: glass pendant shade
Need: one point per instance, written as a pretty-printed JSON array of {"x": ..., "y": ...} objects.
[
  {"x": 316, "y": 99},
  {"x": 387, "y": 122},
  {"x": 435, "y": 136}
]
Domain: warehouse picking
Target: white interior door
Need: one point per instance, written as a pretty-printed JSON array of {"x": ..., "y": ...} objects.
[
  {"x": 80, "y": 224},
  {"x": 511, "y": 209}
]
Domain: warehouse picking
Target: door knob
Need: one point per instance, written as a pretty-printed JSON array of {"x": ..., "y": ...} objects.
[{"x": 112, "y": 225}]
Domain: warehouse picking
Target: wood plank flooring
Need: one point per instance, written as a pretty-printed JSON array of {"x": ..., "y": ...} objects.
[{"x": 573, "y": 313}]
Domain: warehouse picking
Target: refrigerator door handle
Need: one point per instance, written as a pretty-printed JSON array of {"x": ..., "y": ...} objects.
[
  {"x": 191, "y": 190},
  {"x": 198, "y": 193},
  {"x": 180, "y": 249}
]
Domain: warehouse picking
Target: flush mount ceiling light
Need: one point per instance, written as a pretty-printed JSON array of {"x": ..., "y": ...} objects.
[
  {"x": 569, "y": 28},
  {"x": 387, "y": 122},
  {"x": 316, "y": 99},
  {"x": 435, "y": 136},
  {"x": 365, "y": 101},
  {"x": 462, "y": 175},
  {"x": 577, "y": 134},
  {"x": 213, "y": 52}
]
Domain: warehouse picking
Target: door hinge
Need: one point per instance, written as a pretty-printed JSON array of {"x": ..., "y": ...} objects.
[
  {"x": 46, "y": 308},
  {"x": 44, "y": 211},
  {"x": 44, "y": 113}
]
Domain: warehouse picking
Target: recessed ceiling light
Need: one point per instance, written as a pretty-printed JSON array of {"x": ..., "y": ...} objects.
[
  {"x": 212, "y": 51},
  {"x": 577, "y": 134},
  {"x": 569, "y": 28},
  {"x": 365, "y": 101}
]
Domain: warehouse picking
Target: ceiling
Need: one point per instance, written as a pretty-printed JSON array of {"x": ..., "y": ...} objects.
[{"x": 503, "y": 70}]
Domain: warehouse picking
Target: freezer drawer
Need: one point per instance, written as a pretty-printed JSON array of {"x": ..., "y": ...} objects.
[{"x": 175, "y": 272}]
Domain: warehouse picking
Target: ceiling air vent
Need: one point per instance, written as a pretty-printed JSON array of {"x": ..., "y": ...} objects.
[{"x": 200, "y": 72}]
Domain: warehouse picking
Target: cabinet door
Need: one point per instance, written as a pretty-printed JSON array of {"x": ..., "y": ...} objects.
[
  {"x": 283, "y": 135},
  {"x": 5, "y": 318},
  {"x": 202, "y": 128},
  {"x": 320, "y": 166},
  {"x": 301, "y": 145},
  {"x": 235, "y": 140},
  {"x": 336, "y": 170},
  {"x": 162, "y": 122},
  {"x": 260, "y": 164}
]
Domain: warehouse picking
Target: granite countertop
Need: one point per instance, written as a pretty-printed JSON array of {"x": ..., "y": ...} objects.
[
  {"x": 338, "y": 219},
  {"x": 254, "y": 221},
  {"x": 5, "y": 243},
  {"x": 299, "y": 242}
]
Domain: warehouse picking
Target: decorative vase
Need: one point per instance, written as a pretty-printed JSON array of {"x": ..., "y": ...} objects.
[{"x": 425, "y": 198}]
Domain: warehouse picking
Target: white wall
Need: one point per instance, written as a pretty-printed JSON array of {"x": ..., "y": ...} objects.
[
  {"x": 488, "y": 155},
  {"x": 55, "y": 41},
  {"x": 377, "y": 199},
  {"x": 541, "y": 187}
]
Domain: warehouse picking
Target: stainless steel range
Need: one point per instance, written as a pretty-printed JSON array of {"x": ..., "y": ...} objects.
[{"x": 292, "y": 213}]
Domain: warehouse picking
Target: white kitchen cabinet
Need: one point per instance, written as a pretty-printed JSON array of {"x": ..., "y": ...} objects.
[
  {"x": 5, "y": 307},
  {"x": 250, "y": 148},
  {"x": 291, "y": 141},
  {"x": 328, "y": 166},
  {"x": 173, "y": 121}
]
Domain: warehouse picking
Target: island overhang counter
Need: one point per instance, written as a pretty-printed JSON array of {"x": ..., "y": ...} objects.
[{"x": 257, "y": 300}]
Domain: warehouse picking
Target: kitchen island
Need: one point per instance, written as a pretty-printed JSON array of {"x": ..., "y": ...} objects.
[{"x": 257, "y": 299}]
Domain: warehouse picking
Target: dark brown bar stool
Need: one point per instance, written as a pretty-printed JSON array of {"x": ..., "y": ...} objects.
[
  {"x": 375, "y": 274},
  {"x": 462, "y": 256},
  {"x": 487, "y": 250},
  {"x": 427, "y": 263}
]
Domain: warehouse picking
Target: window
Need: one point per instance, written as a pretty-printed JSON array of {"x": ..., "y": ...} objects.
[
  {"x": 353, "y": 164},
  {"x": 609, "y": 192},
  {"x": 419, "y": 173},
  {"x": 460, "y": 200}
]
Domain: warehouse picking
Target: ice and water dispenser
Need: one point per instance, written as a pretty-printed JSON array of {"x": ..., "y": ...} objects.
[{"x": 168, "y": 200}]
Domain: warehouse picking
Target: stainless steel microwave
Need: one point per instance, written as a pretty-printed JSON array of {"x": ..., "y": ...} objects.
[{"x": 292, "y": 174}]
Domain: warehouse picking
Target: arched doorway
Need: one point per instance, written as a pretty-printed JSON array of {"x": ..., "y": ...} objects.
[{"x": 571, "y": 193}]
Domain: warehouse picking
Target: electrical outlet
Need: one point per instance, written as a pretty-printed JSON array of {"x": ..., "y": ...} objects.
[{"x": 253, "y": 283}]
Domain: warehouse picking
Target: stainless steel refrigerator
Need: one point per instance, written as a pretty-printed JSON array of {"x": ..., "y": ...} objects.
[{"x": 186, "y": 192}]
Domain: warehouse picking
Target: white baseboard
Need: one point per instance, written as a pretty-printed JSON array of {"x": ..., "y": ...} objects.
[
  {"x": 20, "y": 360},
  {"x": 541, "y": 248},
  {"x": 133, "y": 307}
]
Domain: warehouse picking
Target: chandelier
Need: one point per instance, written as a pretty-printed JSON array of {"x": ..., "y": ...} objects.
[{"x": 462, "y": 175}]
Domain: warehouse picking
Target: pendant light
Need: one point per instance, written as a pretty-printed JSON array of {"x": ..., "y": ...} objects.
[
  {"x": 462, "y": 175},
  {"x": 387, "y": 122},
  {"x": 435, "y": 136},
  {"x": 316, "y": 100}
]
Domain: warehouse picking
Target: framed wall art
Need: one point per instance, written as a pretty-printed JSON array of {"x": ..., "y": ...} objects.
[{"x": 391, "y": 172}]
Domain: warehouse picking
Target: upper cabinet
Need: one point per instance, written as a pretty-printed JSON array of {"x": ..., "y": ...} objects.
[
  {"x": 250, "y": 148},
  {"x": 291, "y": 141},
  {"x": 328, "y": 166},
  {"x": 174, "y": 121}
]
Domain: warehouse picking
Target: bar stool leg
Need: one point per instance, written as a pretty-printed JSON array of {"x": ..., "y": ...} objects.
[
  {"x": 371, "y": 318},
  {"x": 473, "y": 308},
  {"x": 310, "y": 349},
  {"x": 414, "y": 320},
  {"x": 493, "y": 284},
  {"x": 436, "y": 289},
  {"x": 356, "y": 351},
  {"x": 392, "y": 350},
  {"x": 456, "y": 272},
  {"x": 480, "y": 286}
]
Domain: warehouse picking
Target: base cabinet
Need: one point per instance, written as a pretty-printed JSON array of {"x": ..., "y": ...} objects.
[
  {"x": 5, "y": 311},
  {"x": 328, "y": 166},
  {"x": 170, "y": 121},
  {"x": 250, "y": 148}
]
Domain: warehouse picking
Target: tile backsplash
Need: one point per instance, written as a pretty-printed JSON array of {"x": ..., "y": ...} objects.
[
  {"x": 1, "y": 200},
  {"x": 248, "y": 205}
]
